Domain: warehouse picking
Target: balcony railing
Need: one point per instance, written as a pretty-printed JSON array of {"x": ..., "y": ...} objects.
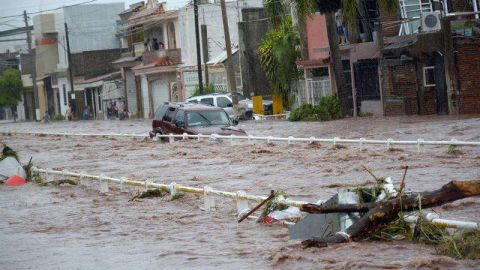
[{"x": 152, "y": 56}]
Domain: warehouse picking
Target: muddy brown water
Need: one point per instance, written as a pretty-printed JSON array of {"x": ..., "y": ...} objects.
[{"x": 77, "y": 228}]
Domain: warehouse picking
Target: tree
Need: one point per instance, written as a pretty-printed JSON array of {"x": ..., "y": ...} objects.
[
  {"x": 11, "y": 87},
  {"x": 278, "y": 53}
]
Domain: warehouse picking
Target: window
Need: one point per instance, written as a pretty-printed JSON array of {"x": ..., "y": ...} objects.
[
  {"x": 208, "y": 101},
  {"x": 412, "y": 10},
  {"x": 160, "y": 112},
  {"x": 207, "y": 118},
  {"x": 64, "y": 90},
  {"x": 429, "y": 76},
  {"x": 193, "y": 101},
  {"x": 169, "y": 115},
  {"x": 180, "y": 117},
  {"x": 223, "y": 102}
]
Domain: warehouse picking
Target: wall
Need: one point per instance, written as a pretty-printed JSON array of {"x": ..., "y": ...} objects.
[
  {"x": 400, "y": 89},
  {"x": 92, "y": 27},
  {"x": 94, "y": 63},
  {"x": 251, "y": 32},
  {"x": 317, "y": 37},
  {"x": 468, "y": 70}
]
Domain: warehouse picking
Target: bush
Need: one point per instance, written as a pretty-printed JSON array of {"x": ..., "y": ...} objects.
[
  {"x": 59, "y": 117},
  {"x": 206, "y": 90},
  {"x": 327, "y": 109},
  {"x": 301, "y": 113}
]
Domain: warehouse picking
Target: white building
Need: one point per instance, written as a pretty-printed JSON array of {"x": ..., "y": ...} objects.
[{"x": 90, "y": 28}]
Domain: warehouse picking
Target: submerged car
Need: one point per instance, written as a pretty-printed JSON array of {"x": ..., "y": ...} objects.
[{"x": 179, "y": 118}]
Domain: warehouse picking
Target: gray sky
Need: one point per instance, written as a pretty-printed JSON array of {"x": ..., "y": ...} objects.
[{"x": 16, "y": 7}]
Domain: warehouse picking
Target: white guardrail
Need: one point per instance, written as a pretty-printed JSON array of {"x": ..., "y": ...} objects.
[
  {"x": 232, "y": 138},
  {"x": 240, "y": 197}
]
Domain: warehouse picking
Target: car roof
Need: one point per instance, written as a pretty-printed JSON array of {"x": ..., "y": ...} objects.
[
  {"x": 192, "y": 106},
  {"x": 213, "y": 94}
]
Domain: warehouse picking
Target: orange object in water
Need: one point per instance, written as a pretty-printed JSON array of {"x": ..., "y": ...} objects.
[{"x": 15, "y": 181}]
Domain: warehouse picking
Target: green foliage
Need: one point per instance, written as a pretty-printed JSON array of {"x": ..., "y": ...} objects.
[
  {"x": 11, "y": 87},
  {"x": 278, "y": 54},
  {"x": 177, "y": 196},
  {"x": 301, "y": 113},
  {"x": 151, "y": 193},
  {"x": 327, "y": 109},
  {"x": 206, "y": 90},
  {"x": 59, "y": 117},
  {"x": 462, "y": 245}
]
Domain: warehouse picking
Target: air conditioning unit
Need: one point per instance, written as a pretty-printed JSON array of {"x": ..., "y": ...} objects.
[{"x": 431, "y": 21}]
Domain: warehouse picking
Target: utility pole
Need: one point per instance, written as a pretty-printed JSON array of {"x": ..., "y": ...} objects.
[
  {"x": 197, "y": 39},
  {"x": 70, "y": 75},
  {"x": 205, "y": 52},
  {"x": 34, "y": 68},
  {"x": 230, "y": 72}
]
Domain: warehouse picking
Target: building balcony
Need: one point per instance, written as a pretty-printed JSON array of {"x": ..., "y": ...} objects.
[{"x": 153, "y": 56}]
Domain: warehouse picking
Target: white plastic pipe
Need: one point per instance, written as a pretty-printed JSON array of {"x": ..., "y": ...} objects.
[
  {"x": 167, "y": 187},
  {"x": 335, "y": 140},
  {"x": 435, "y": 219},
  {"x": 238, "y": 196}
]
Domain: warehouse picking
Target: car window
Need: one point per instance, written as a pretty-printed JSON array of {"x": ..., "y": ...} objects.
[
  {"x": 207, "y": 118},
  {"x": 223, "y": 102},
  {"x": 180, "y": 116},
  {"x": 169, "y": 115},
  {"x": 193, "y": 101},
  {"x": 208, "y": 101},
  {"x": 160, "y": 112},
  {"x": 240, "y": 97}
]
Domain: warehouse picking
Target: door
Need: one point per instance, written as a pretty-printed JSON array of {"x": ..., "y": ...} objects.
[
  {"x": 367, "y": 86},
  {"x": 29, "y": 106},
  {"x": 179, "y": 122},
  {"x": 166, "y": 125},
  {"x": 160, "y": 92}
]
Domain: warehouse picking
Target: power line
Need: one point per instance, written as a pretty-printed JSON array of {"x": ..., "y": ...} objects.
[{"x": 46, "y": 10}]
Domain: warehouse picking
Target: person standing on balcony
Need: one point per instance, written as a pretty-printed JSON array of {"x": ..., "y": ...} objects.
[
  {"x": 341, "y": 29},
  {"x": 155, "y": 44}
]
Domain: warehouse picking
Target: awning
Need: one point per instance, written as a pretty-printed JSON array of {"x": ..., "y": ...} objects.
[
  {"x": 126, "y": 60},
  {"x": 98, "y": 81},
  {"x": 313, "y": 62},
  {"x": 222, "y": 57},
  {"x": 164, "y": 64},
  {"x": 400, "y": 42}
]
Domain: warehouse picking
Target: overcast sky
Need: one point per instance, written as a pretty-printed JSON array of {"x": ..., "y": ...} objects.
[{"x": 16, "y": 7}]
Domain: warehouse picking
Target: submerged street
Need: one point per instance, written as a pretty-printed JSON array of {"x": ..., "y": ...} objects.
[{"x": 77, "y": 227}]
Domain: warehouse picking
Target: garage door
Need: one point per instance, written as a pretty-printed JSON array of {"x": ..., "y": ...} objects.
[{"x": 160, "y": 92}]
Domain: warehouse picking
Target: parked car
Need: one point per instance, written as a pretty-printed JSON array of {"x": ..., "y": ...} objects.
[
  {"x": 179, "y": 118},
  {"x": 224, "y": 101}
]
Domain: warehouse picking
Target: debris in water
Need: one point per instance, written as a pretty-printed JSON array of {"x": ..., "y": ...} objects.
[{"x": 151, "y": 193}]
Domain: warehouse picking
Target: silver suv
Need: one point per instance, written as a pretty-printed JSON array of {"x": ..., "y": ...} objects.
[{"x": 224, "y": 100}]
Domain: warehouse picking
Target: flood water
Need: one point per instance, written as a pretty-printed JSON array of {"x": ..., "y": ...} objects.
[{"x": 73, "y": 227}]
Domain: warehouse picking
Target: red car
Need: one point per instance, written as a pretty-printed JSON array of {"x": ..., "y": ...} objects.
[{"x": 179, "y": 118}]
